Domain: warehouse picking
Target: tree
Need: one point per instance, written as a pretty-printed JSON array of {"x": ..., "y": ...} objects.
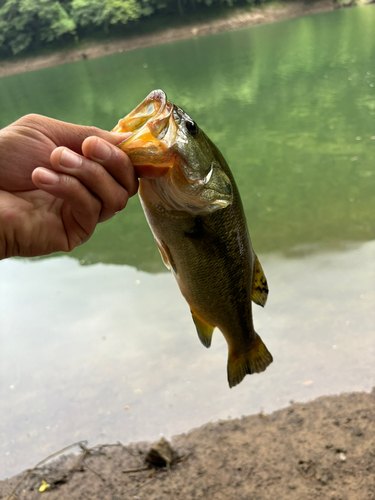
[
  {"x": 105, "y": 12},
  {"x": 26, "y": 23}
]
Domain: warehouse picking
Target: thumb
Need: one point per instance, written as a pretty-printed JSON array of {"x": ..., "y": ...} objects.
[
  {"x": 69, "y": 134},
  {"x": 72, "y": 136}
]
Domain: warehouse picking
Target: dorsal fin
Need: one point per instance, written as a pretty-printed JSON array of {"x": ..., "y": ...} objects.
[
  {"x": 204, "y": 329},
  {"x": 259, "y": 292}
]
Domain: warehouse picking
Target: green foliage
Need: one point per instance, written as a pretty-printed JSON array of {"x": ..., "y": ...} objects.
[
  {"x": 25, "y": 23},
  {"x": 183, "y": 7},
  {"x": 105, "y": 12}
]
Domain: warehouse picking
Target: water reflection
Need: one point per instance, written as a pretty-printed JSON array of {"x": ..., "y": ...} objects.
[
  {"x": 291, "y": 105},
  {"x": 80, "y": 344}
]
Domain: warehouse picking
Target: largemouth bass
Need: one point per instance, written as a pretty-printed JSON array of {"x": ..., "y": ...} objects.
[{"x": 195, "y": 213}]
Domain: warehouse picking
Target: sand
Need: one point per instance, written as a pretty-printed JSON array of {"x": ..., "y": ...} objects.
[{"x": 324, "y": 449}]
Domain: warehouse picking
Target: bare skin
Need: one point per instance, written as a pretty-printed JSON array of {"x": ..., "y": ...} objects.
[{"x": 57, "y": 182}]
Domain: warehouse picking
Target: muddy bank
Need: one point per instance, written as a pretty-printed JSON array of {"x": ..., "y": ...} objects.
[
  {"x": 266, "y": 14},
  {"x": 321, "y": 449}
]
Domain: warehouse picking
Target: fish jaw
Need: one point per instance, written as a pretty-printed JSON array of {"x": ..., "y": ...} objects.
[
  {"x": 153, "y": 133},
  {"x": 160, "y": 147},
  {"x": 150, "y": 107}
]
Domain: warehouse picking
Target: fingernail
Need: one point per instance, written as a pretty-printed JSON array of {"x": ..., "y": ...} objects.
[
  {"x": 48, "y": 177},
  {"x": 69, "y": 159},
  {"x": 101, "y": 151}
]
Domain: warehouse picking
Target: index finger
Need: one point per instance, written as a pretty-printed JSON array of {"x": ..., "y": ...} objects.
[{"x": 114, "y": 160}]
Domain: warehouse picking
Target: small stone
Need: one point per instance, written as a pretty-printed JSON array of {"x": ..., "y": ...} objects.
[{"x": 160, "y": 453}]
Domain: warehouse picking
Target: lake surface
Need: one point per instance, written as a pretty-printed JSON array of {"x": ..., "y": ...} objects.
[{"x": 100, "y": 345}]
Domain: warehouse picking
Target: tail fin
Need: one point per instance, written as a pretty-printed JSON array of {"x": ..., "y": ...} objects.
[{"x": 255, "y": 360}]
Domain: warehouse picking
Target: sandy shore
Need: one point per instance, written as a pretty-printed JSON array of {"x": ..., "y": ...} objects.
[
  {"x": 266, "y": 14},
  {"x": 324, "y": 449}
]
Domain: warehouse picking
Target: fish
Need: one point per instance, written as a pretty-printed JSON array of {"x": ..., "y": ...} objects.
[{"x": 196, "y": 216}]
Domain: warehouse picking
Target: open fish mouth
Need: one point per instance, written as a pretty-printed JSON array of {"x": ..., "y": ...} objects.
[
  {"x": 153, "y": 130},
  {"x": 163, "y": 136}
]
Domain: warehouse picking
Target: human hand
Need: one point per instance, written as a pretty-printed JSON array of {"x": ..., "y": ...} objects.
[{"x": 57, "y": 181}]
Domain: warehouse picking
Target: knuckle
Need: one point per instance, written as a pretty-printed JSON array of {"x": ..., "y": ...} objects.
[
  {"x": 29, "y": 116},
  {"x": 70, "y": 184},
  {"x": 94, "y": 131},
  {"x": 134, "y": 188},
  {"x": 91, "y": 173},
  {"x": 121, "y": 201},
  {"x": 97, "y": 171},
  {"x": 27, "y": 119},
  {"x": 129, "y": 175}
]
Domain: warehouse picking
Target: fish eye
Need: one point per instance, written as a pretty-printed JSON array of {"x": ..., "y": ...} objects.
[{"x": 191, "y": 127}]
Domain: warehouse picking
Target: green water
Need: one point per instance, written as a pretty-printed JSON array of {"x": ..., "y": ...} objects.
[
  {"x": 291, "y": 105},
  {"x": 107, "y": 351}
]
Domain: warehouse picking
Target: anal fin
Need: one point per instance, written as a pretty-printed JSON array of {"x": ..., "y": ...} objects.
[
  {"x": 255, "y": 360},
  {"x": 259, "y": 291},
  {"x": 204, "y": 329}
]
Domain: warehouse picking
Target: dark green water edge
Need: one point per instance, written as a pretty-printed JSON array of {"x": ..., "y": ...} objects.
[
  {"x": 28, "y": 33},
  {"x": 158, "y": 22}
]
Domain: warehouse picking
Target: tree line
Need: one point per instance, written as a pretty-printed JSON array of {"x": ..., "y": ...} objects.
[{"x": 27, "y": 25}]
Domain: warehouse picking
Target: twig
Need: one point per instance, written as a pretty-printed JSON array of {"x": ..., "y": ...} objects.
[
  {"x": 181, "y": 459},
  {"x": 144, "y": 484},
  {"x": 41, "y": 463},
  {"x": 137, "y": 469},
  {"x": 130, "y": 452},
  {"x": 76, "y": 463},
  {"x": 95, "y": 472},
  {"x": 85, "y": 452}
]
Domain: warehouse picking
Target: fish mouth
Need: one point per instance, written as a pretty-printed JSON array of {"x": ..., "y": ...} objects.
[
  {"x": 153, "y": 131},
  {"x": 157, "y": 144}
]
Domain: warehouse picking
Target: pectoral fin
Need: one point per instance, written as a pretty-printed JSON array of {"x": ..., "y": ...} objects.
[
  {"x": 204, "y": 330},
  {"x": 260, "y": 288},
  {"x": 166, "y": 255}
]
